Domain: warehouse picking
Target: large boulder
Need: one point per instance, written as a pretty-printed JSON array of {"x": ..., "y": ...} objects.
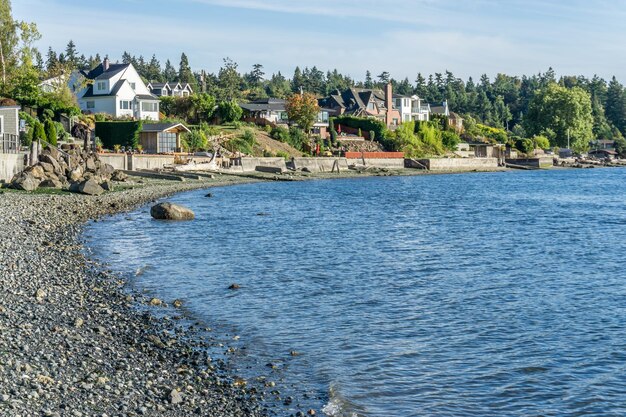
[
  {"x": 169, "y": 211},
  {"x": 36, "y": 171},
  {"x": 106, "y": 170},
  {"x": 88, "y": 187},
  {"x": 25, "y": 181},
  {"x": 51, "y": 183},
  {"x": 50, "y": 160},
  {"x": 119, "y": 176},
  {"x": 76, "y": 174},
  {"x": 90, "y": 164},
  {"x": 48, "y": 168}
]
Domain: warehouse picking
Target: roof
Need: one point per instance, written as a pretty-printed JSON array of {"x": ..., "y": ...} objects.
[
  {"x": 147, "y": 97},
  {"x": 98, "y": 73},
  {"x": 354, "y": 100},
  {"x": 116, "y": 88},
  {"x": 265, "y": 104},
  {"x": 163, "y": 127},
  {"x": 158, "y": 85}
]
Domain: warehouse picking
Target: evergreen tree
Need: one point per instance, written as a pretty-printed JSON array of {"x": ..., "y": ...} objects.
[
  {"x": 383, "y": 79},
  {"x": 616, "y": 105},
  {"x": 71, "y": 54},
  {"x": 52, "y": 61},
  {"x": 297, "y": 82},
  {"x": 420, "y": 86},
  {"x": 368, "y": 80},
  {"x": 169, "y": 73},
  {"x": 229, "y": 81}
]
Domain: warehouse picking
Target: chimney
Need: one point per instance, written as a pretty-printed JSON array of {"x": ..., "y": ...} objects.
[
  {"x": 105, "y": 64},
  {"x": 389, "y": 104}
]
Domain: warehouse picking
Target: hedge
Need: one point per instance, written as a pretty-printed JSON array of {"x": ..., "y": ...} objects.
[
  {"x": 118, "y": 133},
  {"x": 378, "y": 127}
]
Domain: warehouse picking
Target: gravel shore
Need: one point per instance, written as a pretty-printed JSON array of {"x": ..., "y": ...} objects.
[{"x": 74, "y": 343}]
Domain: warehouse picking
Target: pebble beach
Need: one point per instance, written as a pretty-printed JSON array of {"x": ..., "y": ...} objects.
[{"x": 72, "y": 340}]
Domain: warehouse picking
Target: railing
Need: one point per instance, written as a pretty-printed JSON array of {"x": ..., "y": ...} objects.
[{"x": 9, "y": 143}]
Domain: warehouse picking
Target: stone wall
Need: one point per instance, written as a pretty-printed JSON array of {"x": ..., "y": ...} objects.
[
  {"x": 457, "y": 164},
  {"x": 10, "y": 164},
  {"x": 390, "y": 163}
]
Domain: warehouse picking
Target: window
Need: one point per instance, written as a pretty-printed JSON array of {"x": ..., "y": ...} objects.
[
  {"x": 370, "y": 106},
  {"x": 102, "y": 85},
  {"x": 1, "y": 124},
  {"x": 91, "y": 104},
  {"x": 126, "y": 105},
  {"x": 166, "y": 142},
  {"x": 133, "y": 85},
  {"x": 150, "y": 107},
  {"x": 398, "y": 102}
]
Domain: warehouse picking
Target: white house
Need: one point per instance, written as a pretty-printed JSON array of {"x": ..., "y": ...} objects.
[
  {"x": 412, "y": 108},
  {"x": 172, "y": 89},
  {"x": 118, "y": 90}
]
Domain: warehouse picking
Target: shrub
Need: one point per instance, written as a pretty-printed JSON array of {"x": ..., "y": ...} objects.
[
  {"x": 526, "y": 146},
  {"x": 450, "y": 140},
  {"x": 195, "y": 140},
  {"x": 372, "y": 135},
  {"x": 38, "y": 132},
  {"x": 51, "y": 132},
  {"x": 282, "y": 154},
  {"x": 541, "y": 142},
  {"x": 229, "y": 111},
  {"x": 297, "y": 138},
  {"x": 280, "y": 133},
  {"x": 267, "y": 128}
]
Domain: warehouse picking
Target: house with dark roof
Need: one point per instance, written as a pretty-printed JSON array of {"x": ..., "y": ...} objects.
[
  {"x": 118, "y": 90},
  {"x": 171, "y": 89},
  {"x": 440, "y": 108},
  {"x": 271, "y": 110},
  {"x": 362, "y": 102}
]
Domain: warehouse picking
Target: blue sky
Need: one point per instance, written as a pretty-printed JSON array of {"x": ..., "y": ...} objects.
[{"x": 404, "y": 37}]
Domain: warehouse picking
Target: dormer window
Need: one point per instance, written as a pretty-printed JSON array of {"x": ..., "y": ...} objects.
[{"x": 101, "y": 85}]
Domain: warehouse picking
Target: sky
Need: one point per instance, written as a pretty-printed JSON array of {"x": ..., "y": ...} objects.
[{"x": 403, "y": 37}]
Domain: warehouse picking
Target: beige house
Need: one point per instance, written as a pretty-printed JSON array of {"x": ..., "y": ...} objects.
[
  {"x": 159, "y": 138},
  {"x": 9, "y": 129}
]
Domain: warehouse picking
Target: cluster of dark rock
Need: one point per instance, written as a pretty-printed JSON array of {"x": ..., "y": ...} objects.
[{"x": 72, "y": 169}]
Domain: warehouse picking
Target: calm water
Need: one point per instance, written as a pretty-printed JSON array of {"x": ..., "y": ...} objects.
[{"x": 455, "y": 295}]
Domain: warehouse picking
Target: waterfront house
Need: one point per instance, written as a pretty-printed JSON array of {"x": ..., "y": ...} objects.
[
  {"x": 440, "y": 108},
  {"x": 158, "y": 138},
  {"x": 171, "y": 89},
  {"x": 266, "y": 111},
  {"x": 118, "y": 90},
  {"x": 362, "y": 102},
  {"x": 412, "y": 108}
]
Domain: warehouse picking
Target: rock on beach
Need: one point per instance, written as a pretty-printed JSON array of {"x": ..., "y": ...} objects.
[{"x": 170, "y": 211}]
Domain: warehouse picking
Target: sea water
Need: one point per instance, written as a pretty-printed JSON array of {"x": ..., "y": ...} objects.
[{"x": 499, "y": 294}]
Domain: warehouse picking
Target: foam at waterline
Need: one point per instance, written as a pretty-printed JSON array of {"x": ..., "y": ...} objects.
[{"x": 338, "y": 405}]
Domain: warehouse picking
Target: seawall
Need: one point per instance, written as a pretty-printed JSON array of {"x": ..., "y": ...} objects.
[{"x": 10, "y": 164}]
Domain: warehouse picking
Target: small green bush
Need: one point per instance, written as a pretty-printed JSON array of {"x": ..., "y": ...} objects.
[
  {"x": 51, "y": 132},
  {"x": 297, "y": 138},
  {"x": 282, "y": 154},
  {"x": 229, "y": 111},
  {"x": 38, "y": 132},
  {"x": 280, "y": 133}
]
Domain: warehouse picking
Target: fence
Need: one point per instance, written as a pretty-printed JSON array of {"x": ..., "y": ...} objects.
[{"x": 9, "y": 143}]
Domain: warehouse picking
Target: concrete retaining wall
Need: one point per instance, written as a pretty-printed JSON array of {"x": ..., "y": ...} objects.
[
  {"x": 379, "y": 162},
  {"x": 151, "y": 161},
  {"x": 118, "y": 161},
  {"x": 460, "y": 164},
  {"x": 542, "y": 162},
  {"x": 250, "y": 164},
  {"x": 319, "y": 164},
  {"x": 10, "y": 164}
]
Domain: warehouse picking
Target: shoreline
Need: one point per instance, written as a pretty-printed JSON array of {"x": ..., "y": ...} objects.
[{"x": 76, "y": 343}]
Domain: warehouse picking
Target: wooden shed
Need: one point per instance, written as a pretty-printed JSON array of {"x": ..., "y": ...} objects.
[{"x": 158, "y": 138}]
